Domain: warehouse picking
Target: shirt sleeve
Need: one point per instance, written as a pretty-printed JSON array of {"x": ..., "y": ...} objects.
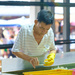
[
  {"x": 52, "y": 42},
  {"x": 17, "y": 47}
]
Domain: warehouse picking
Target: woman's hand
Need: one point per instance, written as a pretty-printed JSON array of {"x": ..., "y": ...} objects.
[{"x": 34, "y": 61}]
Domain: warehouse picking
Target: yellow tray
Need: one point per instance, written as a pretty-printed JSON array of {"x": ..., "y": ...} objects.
[{"x": 50, "y": 72}]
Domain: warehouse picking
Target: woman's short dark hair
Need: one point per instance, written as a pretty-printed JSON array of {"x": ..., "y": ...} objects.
[{"x": 45, "y": 16}]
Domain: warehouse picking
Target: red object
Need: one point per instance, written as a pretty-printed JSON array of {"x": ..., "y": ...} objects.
[
  {"x": 72, "y": 23},
  {"x": 73, "y": 73}
]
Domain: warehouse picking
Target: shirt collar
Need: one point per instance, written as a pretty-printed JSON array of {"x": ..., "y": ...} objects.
[{"x": 31, "y": 33}]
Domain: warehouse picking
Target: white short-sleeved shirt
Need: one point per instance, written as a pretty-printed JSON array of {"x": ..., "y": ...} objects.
[{"x": 26, "y": 43}]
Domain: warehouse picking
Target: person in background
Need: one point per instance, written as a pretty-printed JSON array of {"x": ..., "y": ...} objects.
[
  {"x": 11, "y": 41},
  {"x": 36, "y": 40},
  {"x": 3, "y": 40}
]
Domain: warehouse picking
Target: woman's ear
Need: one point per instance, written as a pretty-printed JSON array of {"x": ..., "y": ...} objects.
[{"x": 36, "y": 21}]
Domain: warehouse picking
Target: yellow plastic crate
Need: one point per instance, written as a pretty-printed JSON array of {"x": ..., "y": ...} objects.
[{"x": 50, "y": 72}]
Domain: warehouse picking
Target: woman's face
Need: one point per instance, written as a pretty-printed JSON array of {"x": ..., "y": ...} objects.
[{"x": 42, "y": 28}]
